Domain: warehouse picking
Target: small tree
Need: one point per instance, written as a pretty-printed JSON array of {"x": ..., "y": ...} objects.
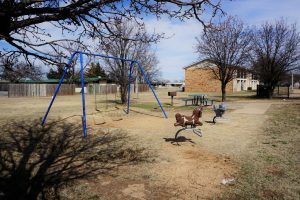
[
  {"x": 95, "y": 70},
  {"x": 227, "y": 45},
  {"x": 56, "y": 74},
  {"x": 276, "y": 51},
  {"x": 57, "y": 70},
  {"x": 131, "y": 42}
]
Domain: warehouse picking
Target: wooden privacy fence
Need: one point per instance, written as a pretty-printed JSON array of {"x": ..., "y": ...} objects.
[
  {"x": 3, "y": 86},
  {"x": 102, "y": 88},
  {"x": 65, "y": 89},
  {"x": 39, "y": 90},
  {"x": 113, "y": 88},
  {"x": 142, "y": 87}
]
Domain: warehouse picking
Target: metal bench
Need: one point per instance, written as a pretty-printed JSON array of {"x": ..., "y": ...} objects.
[
  {"x": 208, "y": 102},
  {"x": 186, "y": 100}
]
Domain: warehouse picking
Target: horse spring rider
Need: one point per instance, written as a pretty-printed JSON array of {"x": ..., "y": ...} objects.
[{"x": 193, "y": 121}]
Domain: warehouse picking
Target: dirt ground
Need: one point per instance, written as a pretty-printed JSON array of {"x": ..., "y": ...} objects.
[{"x": 192, "y": 167}]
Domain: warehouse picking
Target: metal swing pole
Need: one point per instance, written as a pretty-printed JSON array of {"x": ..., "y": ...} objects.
[
  {"x": 94, "y": 87},
  {"x": 129, "y": 80},
  {"x": 147, "y": 80},
  {"x": 57, "y": 88},
  {"x": 82, "y": 95},
  {"x": 82, "y": 85}
]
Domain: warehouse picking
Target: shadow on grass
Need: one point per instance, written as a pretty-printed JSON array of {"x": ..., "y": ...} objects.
[
  {"x": 36, "y": 161},
  {"x": 237, "y": 97},
  {"x": 179, "y": 140},
  {"x": 143, "y": 113}
]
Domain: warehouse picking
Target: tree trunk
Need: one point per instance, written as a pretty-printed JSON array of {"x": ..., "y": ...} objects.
[
  {"x": 270, "y": 91},
  {"x": 123, "y": 93},
  {"x": 223, "y": 88}
]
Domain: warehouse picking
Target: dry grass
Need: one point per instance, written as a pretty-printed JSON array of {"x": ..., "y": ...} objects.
[
  {"x": 36, "y": 162},
  {"x": 271, "y": 170},
  {"x": 193, "y": 169},
  {"x": 144, "y": 102}
]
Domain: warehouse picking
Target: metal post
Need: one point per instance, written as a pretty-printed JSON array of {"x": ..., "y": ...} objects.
[
  {"x": 106, "y": 99},
  {"x": 57, "y": 88},
  {"x": 137, "y": 85},
  {"x": 129, "y": 80},
  {"x": 94, "y": 85},
  {"x": 82, "y": 85},
  {"x": 82, "y": 95},
  {"x": 147, "y": 80},
  {"x": 292, "y": 81}
]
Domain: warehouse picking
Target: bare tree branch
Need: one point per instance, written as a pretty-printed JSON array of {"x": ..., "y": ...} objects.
[
  {"x": 138, "y": 47},
  {"x": 276, "y": 51},
  {"x": 22, "y": 21},
  {"x": 227, "y": 46}
]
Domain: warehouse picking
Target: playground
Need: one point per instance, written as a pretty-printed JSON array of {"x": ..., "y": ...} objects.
[{"x": 135, "y": 156}]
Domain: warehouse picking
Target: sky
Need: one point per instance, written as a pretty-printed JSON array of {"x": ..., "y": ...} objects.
[{"x": 179, "y": 51}]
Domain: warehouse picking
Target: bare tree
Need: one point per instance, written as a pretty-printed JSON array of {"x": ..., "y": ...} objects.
[
  {"x": 25, "y": 24},
  {"x": 276, "y": 51},
  {"x": 13, "y": 70},
  {"x": 132, "y": 42},
  {"x": 62, "y": 54},
  {"x": 227, "y": 45}
]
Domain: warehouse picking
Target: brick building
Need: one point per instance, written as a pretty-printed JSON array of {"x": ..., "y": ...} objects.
[{"x": 200, "y": 78}]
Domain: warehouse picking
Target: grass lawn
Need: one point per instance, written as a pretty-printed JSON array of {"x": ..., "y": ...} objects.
[
  {"x": 271, "y": 169},
  {"x": 234, "y": 96},
  {"x": 135, "y": 156},
  {"x": 153, "y": 106}
]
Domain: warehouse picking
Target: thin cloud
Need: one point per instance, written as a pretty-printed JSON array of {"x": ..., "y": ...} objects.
[{"x": 178, "y": 50}]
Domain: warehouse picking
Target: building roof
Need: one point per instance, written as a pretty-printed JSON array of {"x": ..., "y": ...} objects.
[
  {"x": 209, "y": 60},
  {"x": 54, "y": 81},
  {"x": 4, "y": 81},
  {"x": 196, "y": 63}
]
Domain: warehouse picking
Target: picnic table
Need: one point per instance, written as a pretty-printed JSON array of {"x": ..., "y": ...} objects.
[{"x": 198, "y": 98}]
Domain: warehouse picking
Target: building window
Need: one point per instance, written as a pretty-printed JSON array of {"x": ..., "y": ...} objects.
[{"x": 238, "y": 73}]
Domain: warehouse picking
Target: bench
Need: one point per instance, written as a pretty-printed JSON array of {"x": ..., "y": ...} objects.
[
  {"x": 186, "y": 100},
  {"x": 208, "y": 102}
]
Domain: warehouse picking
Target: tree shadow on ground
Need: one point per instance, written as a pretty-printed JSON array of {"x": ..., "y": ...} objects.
[
  {"x": 143, "y": 113},
  {"x": 36, "y": 161}
]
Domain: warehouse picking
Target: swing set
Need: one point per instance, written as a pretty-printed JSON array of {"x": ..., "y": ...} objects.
[{"x": 67, "y": 67}]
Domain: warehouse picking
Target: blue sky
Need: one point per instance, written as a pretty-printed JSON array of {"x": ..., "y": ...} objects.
[{"x": 179, "y": 50}]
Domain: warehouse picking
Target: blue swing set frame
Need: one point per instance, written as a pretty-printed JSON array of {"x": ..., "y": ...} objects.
[{"x": 66, "y": 68}]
